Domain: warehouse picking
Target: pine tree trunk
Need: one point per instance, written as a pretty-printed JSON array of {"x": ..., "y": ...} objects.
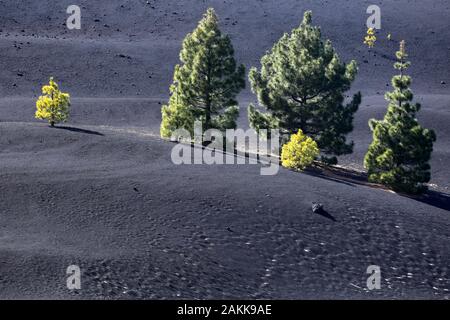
[
  {"x": 207, "y": 113},
  {"x": 52, "y": 122},
  {"x": 207, "y": 117},
  {"x": 208, "y": 101}
]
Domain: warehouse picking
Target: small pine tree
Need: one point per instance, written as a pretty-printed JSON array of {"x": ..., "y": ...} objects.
[
  {"x": 301, "y": 84},
  {"x": 206, "y": 83},
  {"x": 370, "y": 38},
  {"x": 299, "y": 152},
  {"x": 53, "y": 105},
  {"x": 401, "y": 149}
]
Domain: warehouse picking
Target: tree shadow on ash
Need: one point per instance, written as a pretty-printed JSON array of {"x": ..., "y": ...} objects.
[
  {"x": 338, "y": 174},
  {"x": 433, "y": 198},
  {"x": 79, "y": 130},
  {"x": 353, "y": 178}
]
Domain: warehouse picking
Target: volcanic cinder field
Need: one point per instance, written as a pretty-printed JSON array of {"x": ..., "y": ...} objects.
[{"x": 101, "y": 191}]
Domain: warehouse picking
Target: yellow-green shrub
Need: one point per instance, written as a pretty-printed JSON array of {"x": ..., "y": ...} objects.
[
  {"x": 370, "y": 38},
  {"x": 53, "y": 105},
  {"x": 299, "y": 152}
]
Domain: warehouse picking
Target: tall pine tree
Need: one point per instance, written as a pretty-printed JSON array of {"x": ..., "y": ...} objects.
[
  {"x": 399, "y": 154},
  {"x": 302, "y": 84},
  {"x": 206, "y": 82}
]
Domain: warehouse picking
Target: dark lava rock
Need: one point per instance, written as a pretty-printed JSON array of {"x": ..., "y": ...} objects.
[{"x": 317, "y": 207}]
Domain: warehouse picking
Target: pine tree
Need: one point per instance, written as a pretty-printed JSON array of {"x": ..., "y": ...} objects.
[
  {"x": 401, "y": 149},
  {"x": 53, "y": 105},
  {"x": 371, "y": 38},
  {"x": 206, "y": 82},
  {"x": 301, "y": 84}
]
